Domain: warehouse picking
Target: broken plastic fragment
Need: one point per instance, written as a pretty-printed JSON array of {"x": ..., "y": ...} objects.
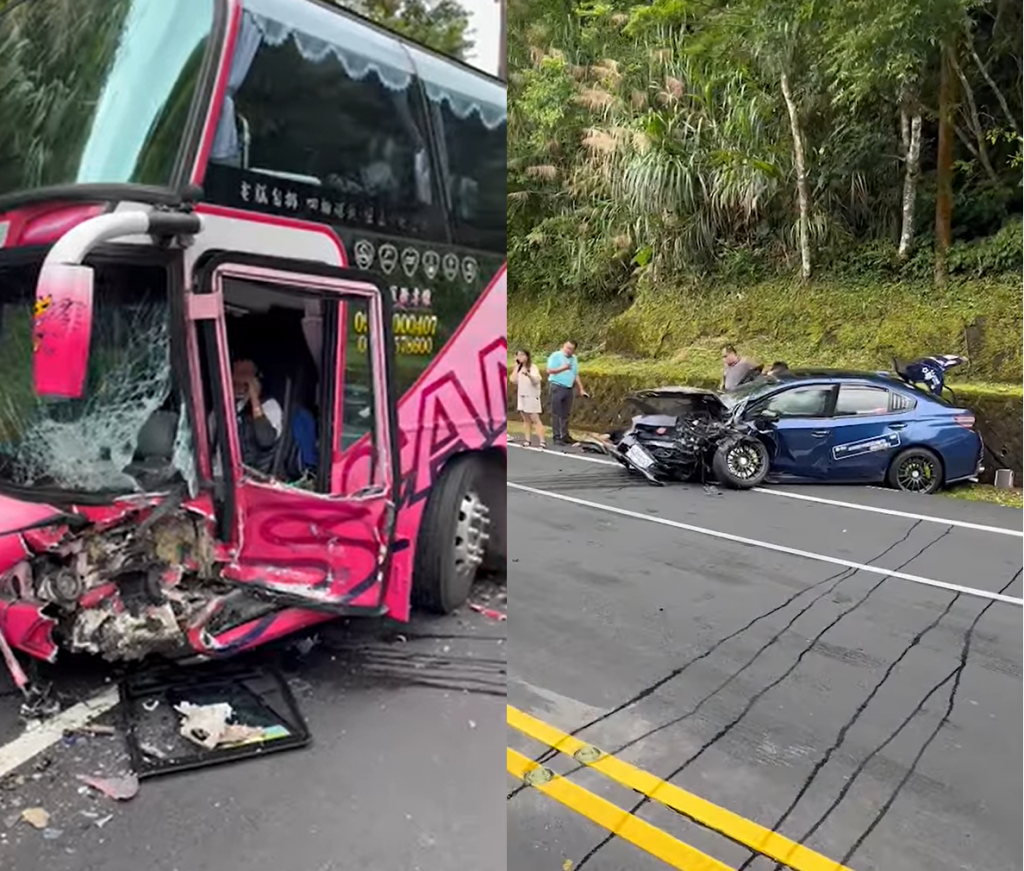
[
  {"x": 118, "y": 788},
  {"x": 235, "y": 734},
  {"x": 489, "y": 613},
  {"x": 36, "y": 817},
  {"x": 92, "y": 729}
]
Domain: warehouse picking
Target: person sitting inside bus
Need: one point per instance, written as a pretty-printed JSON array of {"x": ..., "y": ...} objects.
[{"x": 259, "y": 419}]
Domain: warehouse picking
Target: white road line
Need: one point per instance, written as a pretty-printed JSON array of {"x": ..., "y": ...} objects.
[
  {"x": 35, "y": 739},
  {"x": 837, "y": 503},
  {"x": 892, "y": 512},
  {"x": 767, "y": 545}
]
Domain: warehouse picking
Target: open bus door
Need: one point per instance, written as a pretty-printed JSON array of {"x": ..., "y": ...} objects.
[{"x": 326, "y": 540}]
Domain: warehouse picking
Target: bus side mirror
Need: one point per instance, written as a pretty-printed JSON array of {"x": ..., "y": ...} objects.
[{"x": 61, "y": 330}]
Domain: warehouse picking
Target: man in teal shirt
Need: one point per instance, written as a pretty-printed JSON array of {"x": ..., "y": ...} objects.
[{"x": 563, "y": 378}]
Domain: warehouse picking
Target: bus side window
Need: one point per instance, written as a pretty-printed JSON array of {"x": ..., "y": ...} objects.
[
  {"x": 469, "y": 113},
  {"x": 329, "y": 116}
]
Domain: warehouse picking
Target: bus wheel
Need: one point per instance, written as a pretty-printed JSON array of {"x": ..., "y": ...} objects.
[
  {"x": 453, "y": 538},
  {"x": 495, "y": 493}
]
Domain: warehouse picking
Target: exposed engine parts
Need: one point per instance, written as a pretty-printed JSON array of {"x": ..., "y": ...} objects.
[{"x": 125, "y": 592}]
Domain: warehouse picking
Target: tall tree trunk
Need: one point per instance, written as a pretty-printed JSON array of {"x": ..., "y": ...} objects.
[
  {"x": 944, "y": 168},
  {"x": 910, "y": 123},
  {"x": 799, "y": 160}
]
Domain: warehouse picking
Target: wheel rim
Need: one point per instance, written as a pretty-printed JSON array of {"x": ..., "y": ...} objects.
[
  {"x": 916, "y": 474},
  {"x": 472, "y": 532},
  {"x": 744, "y": 462}
]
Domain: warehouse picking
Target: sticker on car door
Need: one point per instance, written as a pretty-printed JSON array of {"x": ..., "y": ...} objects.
[{"x": 866, "y": 446}]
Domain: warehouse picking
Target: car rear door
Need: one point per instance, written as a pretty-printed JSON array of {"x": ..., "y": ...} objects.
[{"x": 869, "y": 424}]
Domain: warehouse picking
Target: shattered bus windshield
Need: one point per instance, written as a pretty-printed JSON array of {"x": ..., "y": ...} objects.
[
  {"x": 127, "y": 432},
  {"x": 97, "y": 92}
]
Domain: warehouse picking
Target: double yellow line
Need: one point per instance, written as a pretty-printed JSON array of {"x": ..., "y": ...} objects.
[{"x": 642, "y": 834}]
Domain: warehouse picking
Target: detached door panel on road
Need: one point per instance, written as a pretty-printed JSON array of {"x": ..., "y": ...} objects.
[{"x": 286, "y": 527}]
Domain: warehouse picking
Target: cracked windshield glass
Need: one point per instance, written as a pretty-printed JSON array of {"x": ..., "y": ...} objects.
[{"x": 123, "y": 434}]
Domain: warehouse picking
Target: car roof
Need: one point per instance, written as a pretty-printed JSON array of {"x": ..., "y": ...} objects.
[
  {"x": 881, "y": 379},
  {"x": 675, "y": 391}
]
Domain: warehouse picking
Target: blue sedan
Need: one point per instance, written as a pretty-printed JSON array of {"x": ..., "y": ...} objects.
[{"x": 846, "y": 427}]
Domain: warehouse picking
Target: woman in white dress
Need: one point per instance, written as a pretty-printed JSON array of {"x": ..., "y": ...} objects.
[{"x": 526, "y": 377}]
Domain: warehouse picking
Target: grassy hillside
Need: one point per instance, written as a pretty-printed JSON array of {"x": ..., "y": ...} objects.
[{"x": 661, "y": 333}]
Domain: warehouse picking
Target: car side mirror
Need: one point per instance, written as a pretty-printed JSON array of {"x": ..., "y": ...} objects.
[{"x": 766, "y": 419}]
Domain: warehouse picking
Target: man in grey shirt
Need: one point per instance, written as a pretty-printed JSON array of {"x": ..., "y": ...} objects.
[{"x": 736, "y": 369}]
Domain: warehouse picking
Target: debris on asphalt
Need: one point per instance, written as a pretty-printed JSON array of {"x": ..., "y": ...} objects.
[
  {"x": 122, "y": 788},
  {"x": 39, "y": 704},
  {"x": 304, "y": 646},
  {"x": 204, "y": 725},
  {"x": 207, "y": 715},
  {"x": 209, "y": 726},
  {"x": 36, "y": 817},
  {"x": 93, "y": 730},
  {"x": 489, "y": 613},
  {"x": 152, "y": 751}
]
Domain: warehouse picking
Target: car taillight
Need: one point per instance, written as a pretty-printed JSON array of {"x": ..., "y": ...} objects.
[{"x": 965, "y": 420}]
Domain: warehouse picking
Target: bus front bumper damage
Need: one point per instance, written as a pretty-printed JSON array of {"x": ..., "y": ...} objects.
[
  {"x": 25, "y": 626},
  {"x": 124, "y": 583}
]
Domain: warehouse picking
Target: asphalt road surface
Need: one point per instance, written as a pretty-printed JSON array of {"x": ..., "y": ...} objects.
[
  {"x": 403, "y": 773},
  {"x": 741, "y": 646}
]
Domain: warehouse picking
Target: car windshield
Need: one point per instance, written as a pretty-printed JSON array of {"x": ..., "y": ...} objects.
[
  {"x": 127, "y": 432},
  {"x": 97, "y": 92},
  {"x": 749, "y": 390}
]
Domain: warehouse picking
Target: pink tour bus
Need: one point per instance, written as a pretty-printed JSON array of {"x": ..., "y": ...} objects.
[{"x": 217, "y": 215}]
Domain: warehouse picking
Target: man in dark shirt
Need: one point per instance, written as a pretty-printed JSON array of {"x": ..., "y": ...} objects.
[{"x": 259, "y": 419}]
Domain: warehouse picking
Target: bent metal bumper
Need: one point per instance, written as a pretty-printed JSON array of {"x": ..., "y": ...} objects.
[{"x": 25, "y": 627}]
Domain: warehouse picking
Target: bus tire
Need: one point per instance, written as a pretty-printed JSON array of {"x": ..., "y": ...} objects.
[
  {"x": 494, "y": 490},
  {"x": 453, "y": 538}
]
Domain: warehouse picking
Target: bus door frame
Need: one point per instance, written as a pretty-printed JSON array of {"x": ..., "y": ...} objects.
[{"x": 325, "y": 550}]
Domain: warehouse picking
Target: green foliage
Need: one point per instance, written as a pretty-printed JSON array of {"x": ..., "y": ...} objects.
[
  {"x": 441, "y": 25},
  {"x": 650, "y": 142}
]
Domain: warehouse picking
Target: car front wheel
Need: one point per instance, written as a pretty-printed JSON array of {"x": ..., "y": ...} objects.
[{"x": 741, "y": 463}]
